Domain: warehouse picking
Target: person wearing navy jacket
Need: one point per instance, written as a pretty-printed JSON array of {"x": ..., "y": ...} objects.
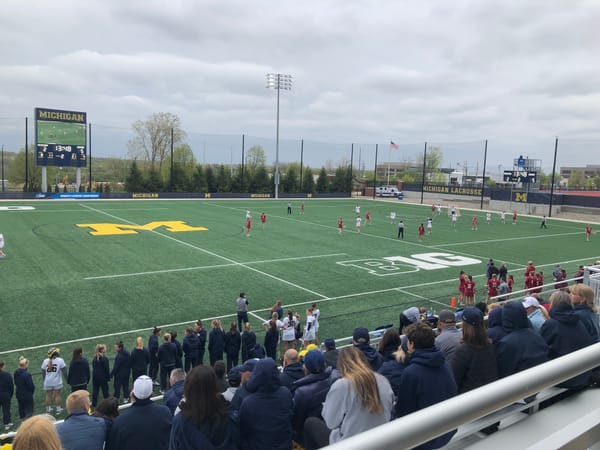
[
  {"x": 121, "y": 371},
  {"x": 179, "y": 350},
  {"x": 565, "y": 333},
  {"x": 274, "y": 403},
  {"x": 233, "y": 343},
  {"x": 25, "y": 388},
  {"x": 153, "y": 350},
  {"x": 100, "y": 374},
  {"x": 167, "y": 356},
  {"x": 522, "y": 347},
  {"x": 216, "y": 342},
  {"x": 310, "y": 392},
  {"x": 201, "y": 333},
  {"x": 79, "y": 371},
  {"x": 426, "y": 380},
  {"x": 6, "y": 393},
  {"x": 191, "y": 343}
]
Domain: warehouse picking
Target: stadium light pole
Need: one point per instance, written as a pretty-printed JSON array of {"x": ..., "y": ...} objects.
[{"x": 278, "y": 81}]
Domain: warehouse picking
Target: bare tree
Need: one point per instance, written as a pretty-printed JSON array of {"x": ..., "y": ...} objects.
[{"x": 152, "y": 141}]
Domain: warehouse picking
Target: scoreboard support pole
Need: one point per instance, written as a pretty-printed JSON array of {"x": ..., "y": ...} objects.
[
  {"x": 44, "y": 179},
  {"x": 78, "y": 178}
]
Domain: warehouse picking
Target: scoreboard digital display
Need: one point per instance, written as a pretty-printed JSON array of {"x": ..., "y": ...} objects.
[
  {"x": 60, "y": 138},
  {"x": 520, "y": 176}
]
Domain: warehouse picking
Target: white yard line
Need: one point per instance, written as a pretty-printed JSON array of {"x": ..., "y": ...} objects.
[
  {"x": 214, "y": 266},
  {"x": 512, "y": 239}
]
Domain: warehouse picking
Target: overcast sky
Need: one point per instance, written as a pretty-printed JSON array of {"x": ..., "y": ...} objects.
[{"x": 515, "y": 72}]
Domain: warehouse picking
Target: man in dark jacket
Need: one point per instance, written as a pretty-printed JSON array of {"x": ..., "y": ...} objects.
[
  {"x": 426, "y": 380},
  {"x": 495, "y": 330},
  {"x": 80, "y": 431},
  {"x": 239, "y": 396},
  {"x": 274, "y": 404},
  {"x": 146, "y": 425},
  {"x": 331, "y": 353},
  {"x": 120, "y": 372},
  {"x": 174, "y": 395},
  {"x": 190, "y": 349},
  {"x": 310, "y": 392},
  {"x": 292, "y": 369},
  {"x": 360, "y": 339},
  {"x": 522, "y": 347},
  {"x": 565, "y": 333}
]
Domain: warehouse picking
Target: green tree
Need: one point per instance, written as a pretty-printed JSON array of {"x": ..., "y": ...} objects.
[
  {"x": 308, "y": 180},
  {"x": 255, "y": 157},
  {"x": 434, "y": 159},
  {"x": 211, "y": 181},
  {"x": 290, "y": 182},
  {"x": 223, "y": 182},
  {"x": 153, "y": 182},
  {"x": 152, "y": 141},
  {"x": 15, "y": 172},
  {"x": 255, "y": 161},
  {"x": 134, "y": 181},
  {"x": 322, "y": 181},
  {"x": 577, "y": 179},
  {"x": 236, "y": 180},
  {"x": 183, "y": 168},
  {"x": 199, "y": 180},
  {"x": 341, "y": 181},
  {"x": 261, "y": 182}
]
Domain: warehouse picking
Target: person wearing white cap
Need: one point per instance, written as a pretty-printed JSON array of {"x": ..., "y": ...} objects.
[
  {"x": 535, "y": 313},
  {"x": 145, "y": 425}
]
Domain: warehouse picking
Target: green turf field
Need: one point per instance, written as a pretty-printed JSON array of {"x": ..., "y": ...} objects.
[{"x": 62, "y": 285}]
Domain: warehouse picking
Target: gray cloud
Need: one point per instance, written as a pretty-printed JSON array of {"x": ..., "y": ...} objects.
[{"x": 517, "y": 73}]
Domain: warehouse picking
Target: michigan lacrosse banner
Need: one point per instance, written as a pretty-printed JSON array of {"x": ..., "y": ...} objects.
[
  {"x": 452, "y": 190},
  {"x": 60, "y": 138}
]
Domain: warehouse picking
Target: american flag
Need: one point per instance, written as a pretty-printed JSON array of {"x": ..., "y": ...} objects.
[{"x": 394, "y": 145}]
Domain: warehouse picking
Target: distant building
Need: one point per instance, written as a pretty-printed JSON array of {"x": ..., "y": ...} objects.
[{"x": 589, "y": 171}]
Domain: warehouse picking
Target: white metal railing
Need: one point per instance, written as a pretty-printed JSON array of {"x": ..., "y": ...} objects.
[{"x": 428, "y": 423}]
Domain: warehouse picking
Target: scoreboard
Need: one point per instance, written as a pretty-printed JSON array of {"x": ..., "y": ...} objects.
[
  {"x": 60, "y": 138},
  {"x": 61, "y": 155},
  {"x": 520, "y": 176}
]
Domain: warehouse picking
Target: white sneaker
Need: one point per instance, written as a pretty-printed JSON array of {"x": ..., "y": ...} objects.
[
  {"x": 49, "y": 409},
  {"x": 8, "y": 426},
  {"x": 59, "y": 410}
]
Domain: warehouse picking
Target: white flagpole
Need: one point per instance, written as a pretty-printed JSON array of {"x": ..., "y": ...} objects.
[{"x": 389, "y": 157}]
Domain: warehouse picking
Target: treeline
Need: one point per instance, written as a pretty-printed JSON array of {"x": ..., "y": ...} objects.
[{"x": 222, "y": 178}]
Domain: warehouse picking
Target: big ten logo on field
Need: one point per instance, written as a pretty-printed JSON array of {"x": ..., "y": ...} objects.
[
  {"x": 520, "y": 197},
  {"x": 396, "y": 265},
  {"x": 112, "y": 229}
]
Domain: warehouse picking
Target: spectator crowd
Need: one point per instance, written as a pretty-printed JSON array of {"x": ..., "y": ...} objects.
[{"x": 308, "y": 397}]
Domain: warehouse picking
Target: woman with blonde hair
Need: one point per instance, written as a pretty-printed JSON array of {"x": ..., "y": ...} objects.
[
  {"x": 53, "y": 369},
  {"x": 360, "y": 400},
  {"x": 582, "y": 299},
  {"x": 37, "y": 433},
  {"x": 140, "y": 358},
  {"x": 100, "y": 374},
  {"x": 25, "y": 388}
]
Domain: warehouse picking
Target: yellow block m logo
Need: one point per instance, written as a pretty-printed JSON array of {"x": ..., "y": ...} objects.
[
  {"x": 521, "y": 197},
  {"x": 111, "y": 229}
]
